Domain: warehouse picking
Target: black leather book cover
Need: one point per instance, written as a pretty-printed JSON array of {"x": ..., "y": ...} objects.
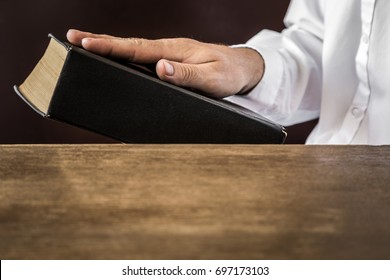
[{"x": 128, "y": 104}]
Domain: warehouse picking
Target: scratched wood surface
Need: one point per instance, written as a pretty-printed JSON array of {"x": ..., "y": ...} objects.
[{"x": 194, "y": 202}]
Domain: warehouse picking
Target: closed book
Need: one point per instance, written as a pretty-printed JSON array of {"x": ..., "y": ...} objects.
[{"x": 131, "y": 104}]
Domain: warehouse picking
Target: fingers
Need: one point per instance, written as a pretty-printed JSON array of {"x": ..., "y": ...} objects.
[
  {"x": 76, "y": 36},
  {"x": 132, "y": 49}
]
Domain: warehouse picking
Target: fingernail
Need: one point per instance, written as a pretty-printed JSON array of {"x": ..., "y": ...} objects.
[
  {"x": 86, "y": 40},
  {"x": 169, "y": 70}
]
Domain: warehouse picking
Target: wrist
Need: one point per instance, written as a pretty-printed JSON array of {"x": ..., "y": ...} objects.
[{"x": 253, "y": 67}]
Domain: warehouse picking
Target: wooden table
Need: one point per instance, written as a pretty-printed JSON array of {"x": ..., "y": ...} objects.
[{"x": 194, "y": 202}]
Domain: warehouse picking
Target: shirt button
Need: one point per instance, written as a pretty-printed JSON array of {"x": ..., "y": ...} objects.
[{"x": 357, "y": 112}]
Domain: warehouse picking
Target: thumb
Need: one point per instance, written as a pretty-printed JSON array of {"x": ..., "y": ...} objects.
[{"x": 180, "y": 74}]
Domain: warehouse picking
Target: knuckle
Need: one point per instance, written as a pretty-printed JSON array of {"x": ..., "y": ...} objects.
[
  {"x": 136, "y": 41},
  {"x": 186, "y": 41},
  {"x": 133, "y": 45},
  {"x": 187, "y": 74}
]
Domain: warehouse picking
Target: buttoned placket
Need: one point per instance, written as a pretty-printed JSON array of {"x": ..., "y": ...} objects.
[{"x": 357, "y": 110}]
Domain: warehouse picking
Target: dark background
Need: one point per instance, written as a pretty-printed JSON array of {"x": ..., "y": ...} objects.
[{"x": 24, "y": 26}]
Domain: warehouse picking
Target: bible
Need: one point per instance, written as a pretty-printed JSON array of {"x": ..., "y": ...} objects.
[{"x": 129, "y": 103}]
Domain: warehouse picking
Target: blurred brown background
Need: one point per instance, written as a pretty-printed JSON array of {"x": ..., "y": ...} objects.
[{"x": 24, "y": 26}]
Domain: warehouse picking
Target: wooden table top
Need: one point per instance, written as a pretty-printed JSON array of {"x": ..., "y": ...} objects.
[{"x": 194, "y": 202}]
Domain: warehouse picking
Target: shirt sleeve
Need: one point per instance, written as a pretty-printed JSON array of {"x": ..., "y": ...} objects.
[{"x": 290, "y": 90}]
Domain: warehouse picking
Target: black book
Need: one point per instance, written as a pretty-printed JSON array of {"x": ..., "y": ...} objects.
[{"x": 131, "y": 104}]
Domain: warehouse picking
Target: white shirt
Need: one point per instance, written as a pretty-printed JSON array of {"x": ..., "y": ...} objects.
[{"x": 333, "y": 62}]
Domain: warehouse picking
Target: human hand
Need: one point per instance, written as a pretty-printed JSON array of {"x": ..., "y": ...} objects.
[{"x": 217, "y": 71}]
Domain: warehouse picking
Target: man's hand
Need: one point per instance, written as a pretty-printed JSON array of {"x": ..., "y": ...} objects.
[{"x": 216, "y": 70}]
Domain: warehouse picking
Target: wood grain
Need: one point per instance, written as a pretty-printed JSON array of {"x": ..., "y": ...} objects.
[{"x": 194, "y": 202}]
